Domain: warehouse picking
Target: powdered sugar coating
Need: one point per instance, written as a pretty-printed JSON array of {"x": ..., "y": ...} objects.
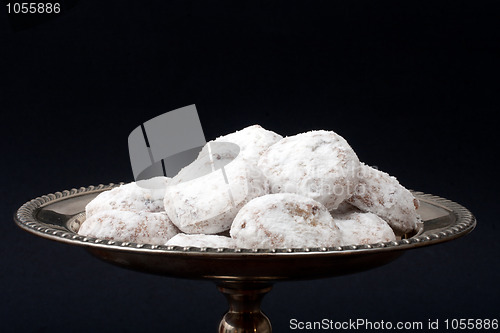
[
  {"x": 284, "y": 220},
  {"x": 362, "y": 228},
  {"x": 317, "y": 164},
  {"x": 381, "y": 194},
  {"x": 145, "y": 195},
  {"x": 201, "y": 240},
  {"x": 204, "y": 198},
  {"x": 127, "y": 226},
  {"x": 253, "y": 141},
  {"x": 208, "y": 204}
]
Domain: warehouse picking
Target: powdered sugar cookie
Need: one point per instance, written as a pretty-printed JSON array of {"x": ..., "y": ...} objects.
[
  {"x": 208, "y": 204},
  {"x": 284, "y": 220},
  {"x": 127, "y": 226},
  {"x": 381, "y": 194},
  {"x": 201, "y": 240},
  {"x": 362, "y": 228},
  {"x": 146, "y": 195},
  {"x": 317, "y": 164},
  {"x": 253, "y": 141}
]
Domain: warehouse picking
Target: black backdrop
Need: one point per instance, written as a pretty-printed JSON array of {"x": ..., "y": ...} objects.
[{"x": 412, "y": 86}]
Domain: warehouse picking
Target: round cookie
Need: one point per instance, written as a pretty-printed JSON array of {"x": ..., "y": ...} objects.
[
  {"x": 145, "y": 195},
  {"x": 362, "y": 228},
  {"x": 284, "y": 220},
  {"x": 317, "y": 164},
  {"x": 127, "y": 226},
  {"x": 253, "y": 141},
  {"x": 208, "y": 204},
  {"x": 381, "y": 194},
  {"x": 201, "y": 240}
]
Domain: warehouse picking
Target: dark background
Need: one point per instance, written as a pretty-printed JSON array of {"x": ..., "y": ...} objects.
[{"x": 412, "y": 85}]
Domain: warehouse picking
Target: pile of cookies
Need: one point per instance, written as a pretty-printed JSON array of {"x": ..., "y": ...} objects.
[{"x": 255, "y": 189}]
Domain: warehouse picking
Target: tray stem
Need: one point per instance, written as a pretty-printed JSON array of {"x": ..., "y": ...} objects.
[{"x": 244, "y": 313}]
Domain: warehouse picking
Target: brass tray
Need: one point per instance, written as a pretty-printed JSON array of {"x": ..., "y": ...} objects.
[{"x": 243, "y": 275}]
